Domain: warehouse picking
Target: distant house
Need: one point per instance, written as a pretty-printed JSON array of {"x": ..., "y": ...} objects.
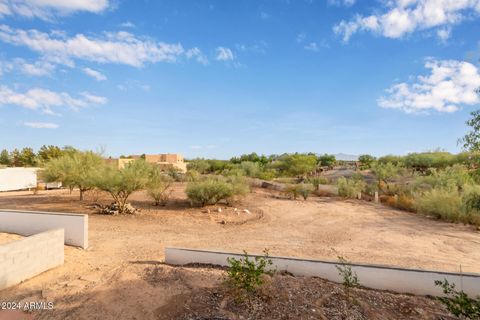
[{"x": 165, "y": 161}]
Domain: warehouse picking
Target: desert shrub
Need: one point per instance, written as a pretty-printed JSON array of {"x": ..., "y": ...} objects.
[
  {"x": 247, "y": 273},
  {"x": 301, "y": 189},
  {"x": 349, "y": 277},
  {"x": 267, "y": 174},
  {"x": 251, "y": 169},
  {"x": 405, "y": 202},
  {"x": 350, "y": 188},
  {"x": 395, "y": 160},
  {"x": 385, "y": 174},
  {"x": 317, "y": 181},
  {"x": 121, "y": 183},
  {"x": 458, "y": 302},
  {"x": 211, "y": 190},
  {"x": 159, "y": 187},
  {"x": 440, "y": 203},
  {"x": 454, "y": 177},
  {"x": 192, "y": 175},
  {"x": 471, "y": 204}
]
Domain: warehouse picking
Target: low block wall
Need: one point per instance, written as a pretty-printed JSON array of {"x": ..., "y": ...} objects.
[
  {"x": 28, "y": 257},
  {"x": 27, "y": 223},
  {"x": 400, "y": 280}
]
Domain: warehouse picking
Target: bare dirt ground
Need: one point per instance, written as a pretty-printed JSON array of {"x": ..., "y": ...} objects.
[
  {"x": 110, "y": 279},
  {"x": 8, "y": 237}
]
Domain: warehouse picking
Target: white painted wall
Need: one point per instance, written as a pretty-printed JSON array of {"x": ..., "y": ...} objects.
[
  {"x": 25, "y": 258},
  {"x": 400, "y": 280},
  {"x": 27, "y": 223},
  {"x": 18, "y": 178}
]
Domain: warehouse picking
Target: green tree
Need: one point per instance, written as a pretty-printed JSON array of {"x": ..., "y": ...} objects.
[
  {"x": 5, "y": 157},
  {"x": 327, "y": 160},
  {"x": 121, "y": 183},
  {"x": 366, "y": 161},
  {"x": 28, "y": 157},
  {"x": 47, "y": 153},
  {"x": 296, "y": 164},
  {"x": 471, "y": 141},
  {"x": 76, "y": 170},
  {"x": 16, "y": 158}
]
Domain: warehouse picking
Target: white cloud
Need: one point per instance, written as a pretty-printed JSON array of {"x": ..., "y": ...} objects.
[
  {"x": 41, "y": 125},
  {"x": 44, "y": 100},
  {"x": 346, "y": 3},
  {"x": 128, "y": 24},
  {"x": 312, "y": 46},
  {"x": 121, "y": 47},
  {"x": 46, "y": 9},
  {"x": 97, "y": 75},
  {"x": 402, "y": 17},
  {"x": 449, "y": 85},
  {"x": 301, "y": 37},
  {"x": 197, "y": 54},
  {"x": 224, "y": 54},
  {"x": 39, "y": 68}
]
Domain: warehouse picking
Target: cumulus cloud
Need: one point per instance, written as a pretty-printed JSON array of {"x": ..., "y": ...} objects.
[
  {"x": 402, "y": 17},
  {"x": 449, "y": 85},
  {"x": 97, "y": 75},
  {"x": 121, "y": 47},
  {"x": 41, "y": 125},
  {"x": 45, "y": 100},
  {"x": 224, "y": 54},
  {"x": 46, "y": 9},
  {"x": 196, "y": 53}
]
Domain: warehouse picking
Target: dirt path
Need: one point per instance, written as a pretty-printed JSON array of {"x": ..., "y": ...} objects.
[{"x": 123, "y": 247}]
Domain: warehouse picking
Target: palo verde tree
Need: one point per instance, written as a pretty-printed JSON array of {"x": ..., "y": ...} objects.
[
  {"x": 75, "y": 170},
  {"x": 121, "y": 183},
  {"x": 471, "y": 141}
]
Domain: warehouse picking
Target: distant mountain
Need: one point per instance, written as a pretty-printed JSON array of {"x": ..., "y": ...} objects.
[{"x": 346, "y": 157}]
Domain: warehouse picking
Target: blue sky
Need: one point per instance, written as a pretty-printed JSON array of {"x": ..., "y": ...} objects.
[{"x": 221, "y": 78}]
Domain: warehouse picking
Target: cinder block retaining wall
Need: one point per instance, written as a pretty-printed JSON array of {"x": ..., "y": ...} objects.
[
  {"x": 27, "y": 223},
  {"x": 28, "y": 257},
  {"x": 400, "y": 280}
]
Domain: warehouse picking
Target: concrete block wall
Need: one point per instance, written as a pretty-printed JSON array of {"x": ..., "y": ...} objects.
[
  {"x": 28, "y": 257},
  {"x": 390, "y": 278},
  {"x": 28, "y": 223}
]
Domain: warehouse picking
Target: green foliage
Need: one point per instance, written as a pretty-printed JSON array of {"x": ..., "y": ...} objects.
[
  {"x": 366, "y": 161},
  {"x": 327, "y": 160},
  {"x": 5, "y": 158},
  {"x": 424, "y": 161},
  {"x": 440, "y": 203},
  {"x": 458, "y": 302},
  {"x": 295, "y": 164},
  {"x": 47, "y": 153},
  {"x": 395, "y": 160},
  {"x": 350, "y": 188},
  {"x": 78, "y": 169},
  {"x": 251, "y": 169},
  {"x": 247, "y": 273},
  {"x": 158, "y": 186},
  {"x": 349, "y": 277},
  {"x": 207, "y": 166},
  {"x": 471, "y": 141},
  {"x": 211, "y": 190},
  {"x": 252, "y": 157},
  {"x": 301, "y": 189},
  {"x": 454, "y": 177},
  {"x": 317, "y": 181},
  {"x": 121, "y": 183},
  {"x": 385, "y": 172}
]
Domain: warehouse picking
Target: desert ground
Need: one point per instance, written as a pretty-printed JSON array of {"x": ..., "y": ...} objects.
[{"x": 112, "y": 275}]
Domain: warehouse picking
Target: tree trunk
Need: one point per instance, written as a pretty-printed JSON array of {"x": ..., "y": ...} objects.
[{"x": 81, "y": 194}]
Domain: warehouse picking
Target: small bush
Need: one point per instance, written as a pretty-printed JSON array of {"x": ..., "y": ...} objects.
[
  {"x": 246, "y": 273},
  {"x": 158, "y": 187},
  {"x": 301, "y": 189},
  {"x": 458, "y": 302},
  {"x": 440, "y": 203},
  {"x": 317, "y": 181},
  {"x": 211, "y": 190},
  {"x": 350, "y": 188}
]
